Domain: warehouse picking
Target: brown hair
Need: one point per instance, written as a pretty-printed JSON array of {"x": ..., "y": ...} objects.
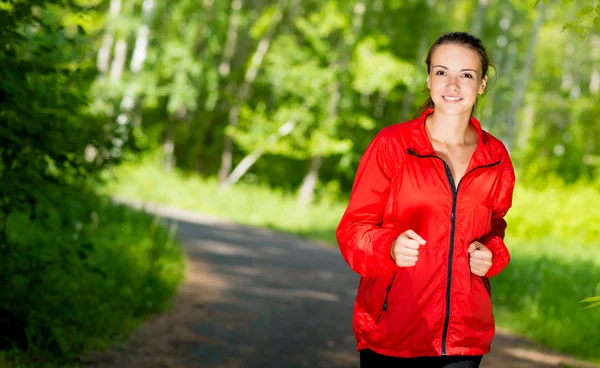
[{"x": 461, "y": 39}]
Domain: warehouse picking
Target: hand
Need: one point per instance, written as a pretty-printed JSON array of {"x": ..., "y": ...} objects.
[
  {"x": 405, "y": 249},
  {"x": 480, "y": 258}
]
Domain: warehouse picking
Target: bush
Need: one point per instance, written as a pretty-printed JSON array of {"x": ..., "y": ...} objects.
[{"x": 81, "y": 273}]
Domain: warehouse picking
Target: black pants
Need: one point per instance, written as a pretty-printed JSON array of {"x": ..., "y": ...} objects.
[{"x": 370, "y": 359}]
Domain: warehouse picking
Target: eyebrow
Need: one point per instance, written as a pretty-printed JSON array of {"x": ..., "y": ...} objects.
[{"x": 462, "y": 70}]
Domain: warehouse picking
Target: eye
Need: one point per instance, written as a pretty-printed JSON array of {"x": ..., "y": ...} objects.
[
  {"x": 468, "y": 75},
  {"x": 440, "y": 72}
]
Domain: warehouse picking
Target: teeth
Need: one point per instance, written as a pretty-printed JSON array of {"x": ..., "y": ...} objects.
[{"x": 452, "y": 98}]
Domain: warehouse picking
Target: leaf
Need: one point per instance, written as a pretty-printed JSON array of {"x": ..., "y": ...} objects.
[
  {"x": 591, "y": 299},
  {"x": 582, "y": 31},
  {"x": 585, "y": 10},
  {"x": 596, "y": 24},
  {"x": 569, "y": 26},
  {"x": 593, "y": 305}
]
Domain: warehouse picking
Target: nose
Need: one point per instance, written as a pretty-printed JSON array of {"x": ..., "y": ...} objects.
[{"x": 453, "y": 83}]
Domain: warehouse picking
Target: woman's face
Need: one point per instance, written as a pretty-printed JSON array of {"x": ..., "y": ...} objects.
[{"x": 455, "y": 79}]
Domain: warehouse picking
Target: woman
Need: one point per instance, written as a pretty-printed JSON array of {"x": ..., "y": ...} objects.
[{"x": 424, "y": 226}]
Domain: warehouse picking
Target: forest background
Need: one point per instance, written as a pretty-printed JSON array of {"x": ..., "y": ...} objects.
[{"x": 258, "y": 111}]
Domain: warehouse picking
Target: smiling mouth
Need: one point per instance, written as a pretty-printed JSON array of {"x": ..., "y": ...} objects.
[{"x": 452, "y": 99}]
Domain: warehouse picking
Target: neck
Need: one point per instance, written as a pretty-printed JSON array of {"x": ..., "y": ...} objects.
[{"x": 447, "y": 129}]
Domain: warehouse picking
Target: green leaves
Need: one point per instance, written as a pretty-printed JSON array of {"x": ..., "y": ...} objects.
[
  {"x": 265, "y": 21},
  {"x": 375, "y": 70},
  {"x": 587, "y": 18},
  {"x": 586, "y": 9},
  {"x": 594, "y": 302}
]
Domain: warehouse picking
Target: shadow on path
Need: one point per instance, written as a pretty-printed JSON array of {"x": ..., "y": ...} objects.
[{"x": 258, "y": 298}]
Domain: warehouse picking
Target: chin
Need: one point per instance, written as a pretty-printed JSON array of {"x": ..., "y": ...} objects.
[{"x": 454, "y": 110}]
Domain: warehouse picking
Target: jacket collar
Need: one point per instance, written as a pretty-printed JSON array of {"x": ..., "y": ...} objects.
[{"x": 484, "y": 154}]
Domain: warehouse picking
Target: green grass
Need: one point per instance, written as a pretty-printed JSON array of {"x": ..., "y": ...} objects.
[
  {"x": 554, "y": 245},
  {"x": 247, "y": 204}
]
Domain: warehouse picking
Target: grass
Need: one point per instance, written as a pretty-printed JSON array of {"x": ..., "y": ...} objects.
[
  {"x": 555, "y": 248},
  {"x": 247, "y": 204}
]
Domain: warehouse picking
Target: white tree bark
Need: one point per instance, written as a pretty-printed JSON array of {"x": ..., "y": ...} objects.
[
  {"x": 103, "y": 60},
  {"x": 251, "y": 73},
  {"x": 137, "y": 61},
  {"x": 232, "y": 36},
  {"x": 118, "y": 64},
  {"x": 250, "y": 159},
  {"x": 307, "y": 189},
  {"x": 523, "y": 79}
]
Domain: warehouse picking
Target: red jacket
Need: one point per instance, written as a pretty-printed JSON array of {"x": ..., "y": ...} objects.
[{"x": 438, "y": 307}]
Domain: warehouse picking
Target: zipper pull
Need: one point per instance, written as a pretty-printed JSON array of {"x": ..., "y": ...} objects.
[{"x": 384, "y": 308}]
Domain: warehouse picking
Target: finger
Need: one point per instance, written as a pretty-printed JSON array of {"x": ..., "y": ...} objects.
[
  {"x": 414, "y": 236},
  {"x": 485, "y": 256},
  {"x": 410, "y": 244},
  {"x": 409, "y": 252},
  {"x": 406, "y": 263},
  {"x": 472, "y": 248},
  {"x": 479, "y": 273}
]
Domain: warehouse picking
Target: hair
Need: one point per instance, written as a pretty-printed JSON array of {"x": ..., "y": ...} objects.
[{"x": 461, "y": 39}]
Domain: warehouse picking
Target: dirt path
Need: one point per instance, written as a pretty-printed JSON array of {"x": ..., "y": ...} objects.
[{"x": 255, "y": 298}]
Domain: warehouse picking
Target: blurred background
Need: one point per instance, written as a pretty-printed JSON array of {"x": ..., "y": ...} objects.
[{"x": 258, "y": 112}]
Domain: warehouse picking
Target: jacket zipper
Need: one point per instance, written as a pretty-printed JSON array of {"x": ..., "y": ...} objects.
[
  {"x": 384, "y": 307},
  {"x": 454, "y": 190}
]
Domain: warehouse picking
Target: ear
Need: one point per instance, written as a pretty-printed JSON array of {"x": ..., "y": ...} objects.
[
  {"x": 483, "y": 85},
  {"x": 428, "y": 84}
]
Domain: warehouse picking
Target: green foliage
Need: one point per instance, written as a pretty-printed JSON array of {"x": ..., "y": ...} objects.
[
  {"x": 81, "y": 274},
  {"x": 537, "y": 295},
  {"x": 588, "y": 17},
  {"x": 77, "y": 271},
  {"x": 556, "y": 211},
  {"x": 380, "y": 71}
]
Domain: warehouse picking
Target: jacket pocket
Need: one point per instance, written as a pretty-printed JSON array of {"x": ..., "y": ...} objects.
[
  {"x": 384, "y": 306},
  {"x": 481, "y": 316}
]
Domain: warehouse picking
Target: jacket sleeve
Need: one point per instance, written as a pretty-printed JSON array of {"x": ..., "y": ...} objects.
[
  {"x": 494, "y": 240},
  {"x": 364, "y": 244}
]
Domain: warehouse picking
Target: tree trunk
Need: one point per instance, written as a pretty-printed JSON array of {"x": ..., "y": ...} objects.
[
  {"x": 250, "y": 76},
  {"x": 595, "y": 77},
  {"x": 307, "y": 189},
  {"x": 523, "y": 79},
  {"x": 137, "y": 61},
  {"x": 479, "y": 17},
  {"x": 504, "y": 56},
  {"x": 409, "y": 96},
  {"x": 250, "y": 159},
  {"x": 118, "y": 64},
  {"x": 103, "y": 60},
  {"x": 232, "y": 36},
  {"x": 169, "y": 145},
  {"x": 309, "y": 183}
]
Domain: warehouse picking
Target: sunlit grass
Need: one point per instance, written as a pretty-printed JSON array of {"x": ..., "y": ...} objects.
[
  {"x": 554, "y": 245},
  {"x": 247, "y": 204}
]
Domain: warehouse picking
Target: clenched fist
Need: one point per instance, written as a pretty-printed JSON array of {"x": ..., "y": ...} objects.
[
  {"x": 405, "y": 249},
  {"x": 480, "y": 258}
]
